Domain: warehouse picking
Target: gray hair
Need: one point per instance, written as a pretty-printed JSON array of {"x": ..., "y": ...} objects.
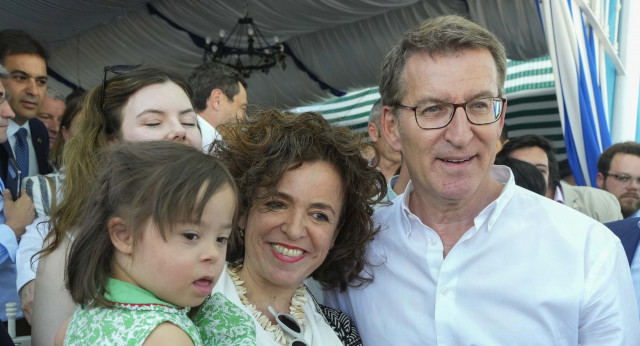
[
  {"x": 376, "y": 112},
  {"x": 439, "y": 36},
  {"x": 56, "y": 95}
]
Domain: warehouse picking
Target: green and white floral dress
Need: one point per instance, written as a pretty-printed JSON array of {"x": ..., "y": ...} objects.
[{"x": 135, "y": 314}]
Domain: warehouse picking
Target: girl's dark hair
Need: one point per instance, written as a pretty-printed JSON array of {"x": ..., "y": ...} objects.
[
  {"x": 260, "y": 149},
  {"x": 166, "y": 181}
]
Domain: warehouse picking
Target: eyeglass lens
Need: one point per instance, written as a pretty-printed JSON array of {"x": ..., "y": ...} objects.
[
  {"x": 625, "y": 178},
  {"x": 289, "y": 322},
  {"x": 289, "y": 325}
]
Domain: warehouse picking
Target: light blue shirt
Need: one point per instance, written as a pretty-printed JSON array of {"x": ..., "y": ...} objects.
[
  {"x": 8, "y": 248},
  {"x": 636, "y": 214},
  {"x": 635, "y": 274}
]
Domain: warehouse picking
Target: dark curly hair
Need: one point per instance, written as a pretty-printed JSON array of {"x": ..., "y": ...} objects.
[{"x": 259, "y": 150}]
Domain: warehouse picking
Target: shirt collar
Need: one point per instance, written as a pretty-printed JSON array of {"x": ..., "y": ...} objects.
[
  {"x": 558, "y": 196},
  {"x": 123, "y": 292},
  {"x": 14, "y": 127},
  {"x": 490, "y": 214}
]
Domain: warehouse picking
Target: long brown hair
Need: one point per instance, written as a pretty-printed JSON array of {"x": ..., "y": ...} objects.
[
  {"x": 97, "y": 125},
  {"x": 167, "y": 182}
]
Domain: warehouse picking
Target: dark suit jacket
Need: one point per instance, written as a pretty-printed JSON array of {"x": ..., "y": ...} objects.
[
  {"x": 40, "y": 141},
  {"x": 628, "y": 230}
]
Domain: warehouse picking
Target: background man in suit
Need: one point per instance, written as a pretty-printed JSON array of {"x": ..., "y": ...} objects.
[
  {"x": 387, "y": 160},
  {"x": 219, "y": 95},
  {"x": 619, "y": 173},
  {"x": 590, "y": 201},
  {"x": 28, "y": 141},
  {"x": 628, "y": 230},
  {"x": 14, "y": 217},
  {"x": 50, "y": 114}
]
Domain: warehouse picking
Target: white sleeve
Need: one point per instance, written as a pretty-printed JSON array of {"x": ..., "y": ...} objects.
[
  {"x": 30, "y": 243},
  {"x": 609, "y": 315}
]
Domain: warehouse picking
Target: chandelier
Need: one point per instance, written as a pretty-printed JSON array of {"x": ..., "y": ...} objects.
[{"x": 245, "y": 49}]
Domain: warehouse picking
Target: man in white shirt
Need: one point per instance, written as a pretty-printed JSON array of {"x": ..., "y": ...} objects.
[
  {"x": 219, "y": 96},
  {"x": 465, "y": 256}
]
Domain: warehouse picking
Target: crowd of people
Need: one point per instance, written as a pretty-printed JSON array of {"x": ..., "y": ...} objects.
[{"x": 158, "y": 210}]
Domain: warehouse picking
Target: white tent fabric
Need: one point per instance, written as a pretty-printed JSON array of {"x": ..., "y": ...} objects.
[{"x": 340, "y": 42}]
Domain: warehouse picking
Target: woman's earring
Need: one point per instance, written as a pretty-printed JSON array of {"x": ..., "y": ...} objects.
[{"x": 241, "y": 233}]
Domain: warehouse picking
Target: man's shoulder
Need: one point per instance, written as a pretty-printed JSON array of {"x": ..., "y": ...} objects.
[
  {"x": 37, "y": 126},
  {"x": 586, "y": 191},
  {"x": 596, "y": 203},
  {"x": 626, "y": 229},
  {"x": 552, "y": 219}
]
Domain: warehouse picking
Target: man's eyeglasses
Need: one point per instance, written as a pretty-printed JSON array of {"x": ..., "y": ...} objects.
[
  {"x": 4, "y": 97},
  {"x": 290, "y": 326},
  {"x": 624, "y": 179},
  {"x": 115, "y": 69},
  {"x": 480, "y": 111}
]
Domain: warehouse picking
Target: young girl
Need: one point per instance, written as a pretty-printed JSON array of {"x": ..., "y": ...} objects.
[{"x": 150, "y": 243}]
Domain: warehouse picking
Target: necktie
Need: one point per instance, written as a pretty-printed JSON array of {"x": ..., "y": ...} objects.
[{"x": 22, "y": 151}]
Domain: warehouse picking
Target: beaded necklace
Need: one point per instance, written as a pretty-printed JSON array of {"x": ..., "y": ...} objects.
[{"x": 296, "y": 308}]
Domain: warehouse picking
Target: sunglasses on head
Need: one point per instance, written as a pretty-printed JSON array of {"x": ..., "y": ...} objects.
[
  {"x": 290, "y": 326},
  {"x": 115, "y": 69}
]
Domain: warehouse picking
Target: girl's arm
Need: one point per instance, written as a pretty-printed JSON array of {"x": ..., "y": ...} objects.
[
  {"x": 168, "y": 333},
  {"x": 52, "y": 303},
  {"x": 62, "y": 332}
]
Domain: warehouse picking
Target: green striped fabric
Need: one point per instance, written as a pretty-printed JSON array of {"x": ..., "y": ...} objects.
[{"x": 529, "y": 86}]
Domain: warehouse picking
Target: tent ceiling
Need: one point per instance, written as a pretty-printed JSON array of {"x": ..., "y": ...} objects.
[{"x": 341, "y": 41}]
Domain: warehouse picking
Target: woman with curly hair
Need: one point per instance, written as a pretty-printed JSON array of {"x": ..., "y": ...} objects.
[{"x": 306, "y": 199}]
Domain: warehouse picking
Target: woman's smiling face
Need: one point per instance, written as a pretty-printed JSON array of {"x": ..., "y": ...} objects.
[{"x": 288, "y": 236}]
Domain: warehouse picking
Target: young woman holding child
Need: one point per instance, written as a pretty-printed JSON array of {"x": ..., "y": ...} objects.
[
  {"x": 151, "y": 241},
  {"x": 140, "y": 105}
]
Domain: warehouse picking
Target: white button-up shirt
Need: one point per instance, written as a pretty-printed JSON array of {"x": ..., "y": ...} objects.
[{"x": 529, "y": 272}]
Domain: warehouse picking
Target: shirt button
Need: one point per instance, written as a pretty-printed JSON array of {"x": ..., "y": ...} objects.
[
  {"x": 445, "y": 291},
  {"x": 433, "y": 241}
]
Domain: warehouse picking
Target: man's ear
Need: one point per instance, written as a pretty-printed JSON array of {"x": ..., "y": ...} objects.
[
  {"x": 373, "y": 132},
  {"x": 216, "y": 98},
  {"x": 600, "y": 179},
  {"x": 390, "y": 128},
  {"x": 120, "y": 234}
]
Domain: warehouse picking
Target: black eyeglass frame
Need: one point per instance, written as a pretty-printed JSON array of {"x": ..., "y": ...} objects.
[
  {"x": 115, "y": 69},
  {"x": 283, "y": 320},
  {"x": 619, "y": 176},
  {"x": 455, "y": 107}
]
